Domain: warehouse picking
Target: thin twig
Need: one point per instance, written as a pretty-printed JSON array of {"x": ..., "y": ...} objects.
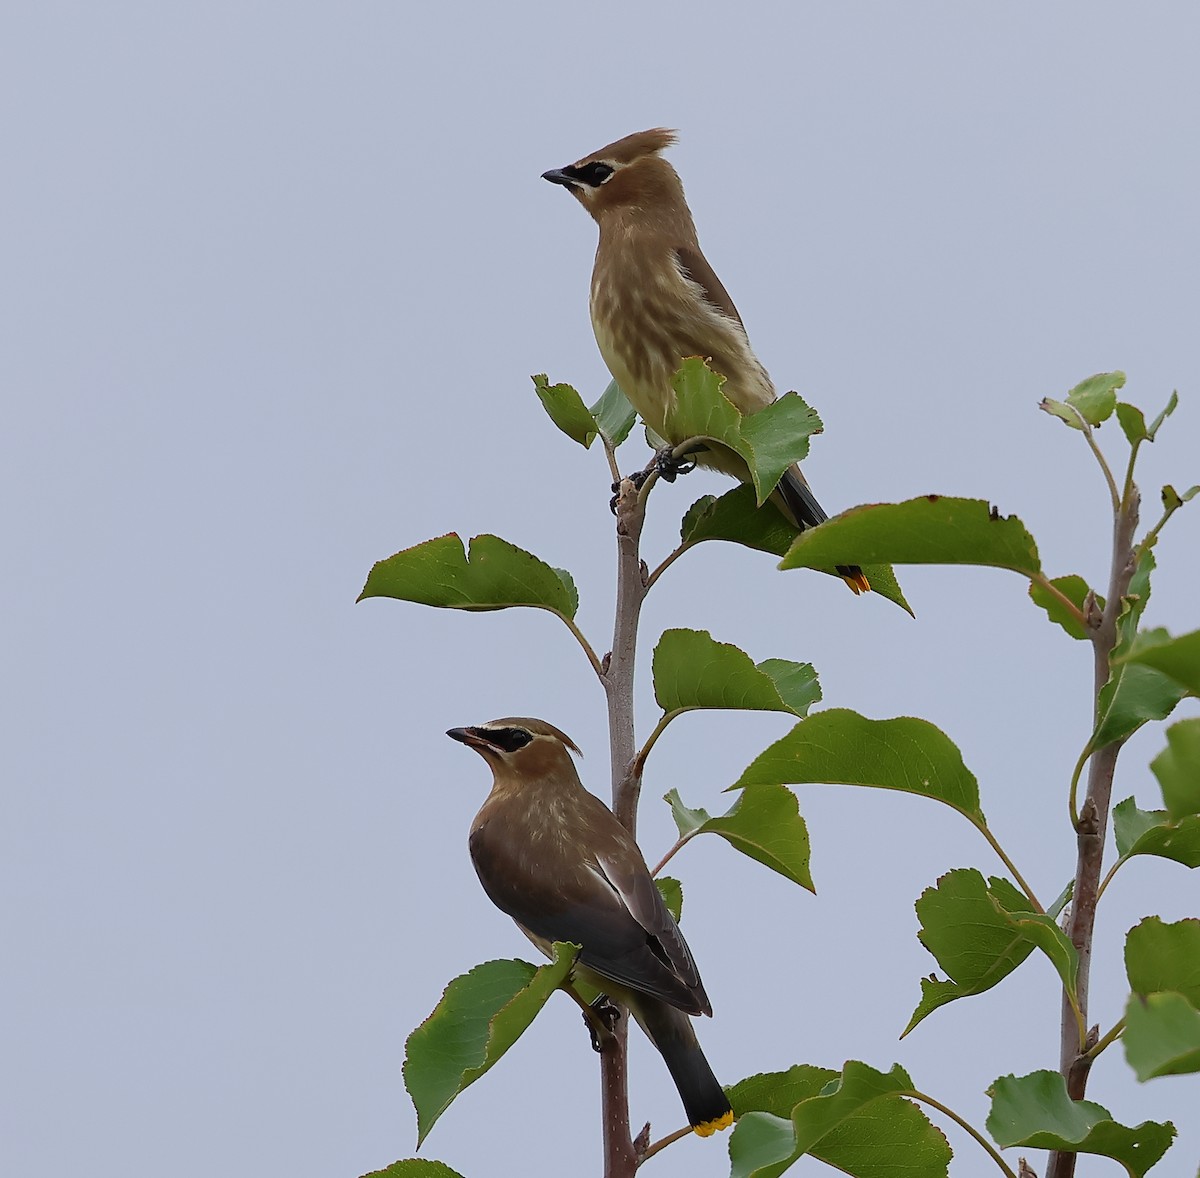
[
  {"x": 663, "y": 1142},
  {"x": 659, "y": 729},
  {"x": 1111, "y": 872},
  {"x": 680, "y": 843},
  {"x": 597, "y": 666},
  {"x": 995, "y": 845},
  {"x": 968, "y": 1127},
  {"x": 1108, "y": 1039},
  {"x": 666, "y": 564},
  {"x": 1108, "y": 474}
]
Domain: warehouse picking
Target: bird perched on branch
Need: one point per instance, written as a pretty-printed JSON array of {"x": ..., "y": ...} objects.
[
  {"x": 655, "y": 300},
  {"x": 554, "y": 858}
]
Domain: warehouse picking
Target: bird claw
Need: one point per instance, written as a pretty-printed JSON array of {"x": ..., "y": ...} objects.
[
  {"x": 605, "y": 1012},
  {"x": 669, "y": 467}
]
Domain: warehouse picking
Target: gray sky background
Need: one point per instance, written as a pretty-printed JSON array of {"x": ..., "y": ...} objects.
[{"x": 274, "y": 280}]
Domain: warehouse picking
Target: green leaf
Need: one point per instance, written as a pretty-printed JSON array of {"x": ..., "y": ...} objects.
[
  {"x": 1035, "y": 1111},
  {"x": 672, "y": 894},
  {"x": 1162, "y": 1035},
  {"x": 1156, "y": 424},
  {"x": 496, "y": 575},
  {"x": 1134, "y": 692},
  {"x": 931, "y": 529},
  {"x": 768, "y": 441},
  {"x": 857, "y": 1122},
  {"x": 735, "y": 517},
  {"x": 415, "y": 1168},
  {"x": 688, "y": 821},
  {"x": 778, "y": 1092},
  {"x": 1151, "y": 832},
  {"x": 1172, "y": 500},
  {"x": 480, "y": 1016},
  {"x": 840, "y": 747},
  {"x": 1075, "y": 590},
  {"x": 1133, "y": 423},
  {"x": 692, "y": 670},
  {"x": 1096, "y": 397},
  {"x": 614, "y": 415},
  {"x": 777, "y": 437},
  {"x": 764, "y": 823},
  {"x": 1093, "y": 400},
  {"x": 979, "y": 933},
  {"x": 1178, "y": 657},
  {"x": 567, "y": 410},
  {"x": 1163, "y": 956},
  {"x": 1177, "y": 768}
]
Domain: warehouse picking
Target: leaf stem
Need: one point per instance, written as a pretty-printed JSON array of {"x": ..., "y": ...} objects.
[
  {"x": 1073, "y": 797},
  {"x": 663, "y": 1142},
  {"x": 1045, "y": 583},
  {"x": 967, "y": 1127},
  {"x": 659, "y": 728},
  {"x": 680, "y": 843},
  {"x": 995, "y": 845},
  {"x": 666, "y": 564},
  {"x": 1111, "y": 872},
  {"x": 1109, "y": 1038},
  {"x": 611, "y": 454},
  {"x": 1089, "y": 434},
  {"x": 597, "y": 666}
]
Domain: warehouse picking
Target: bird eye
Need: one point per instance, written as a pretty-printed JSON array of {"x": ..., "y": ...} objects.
[
  {"x": 509, "y": 739},
  {"x": 595, "y": 174}
]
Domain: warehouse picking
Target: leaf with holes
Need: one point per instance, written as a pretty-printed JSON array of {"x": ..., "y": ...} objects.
[{"x": 931, "y": 529}]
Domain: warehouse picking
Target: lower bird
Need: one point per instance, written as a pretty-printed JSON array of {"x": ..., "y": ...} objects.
[
  {"x": 554, "y": 858},
  {"x": 655, "y": 300}
]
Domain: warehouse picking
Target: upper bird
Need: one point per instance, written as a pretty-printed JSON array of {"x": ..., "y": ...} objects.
[
  {"x": 655, "y": 300},
  {"x": 554, "y": 858}
]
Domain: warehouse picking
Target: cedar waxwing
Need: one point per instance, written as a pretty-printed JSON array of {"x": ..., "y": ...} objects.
[
  {"x": 554, "y": 858},
  {"x": 655, "y": 300}
]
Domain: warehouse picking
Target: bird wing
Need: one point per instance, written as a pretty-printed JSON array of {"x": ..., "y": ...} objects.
[
  {"x": 584, "y": 901},
  {"x": 694, "y": 266}
]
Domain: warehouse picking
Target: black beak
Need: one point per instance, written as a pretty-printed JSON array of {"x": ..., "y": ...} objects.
[
  {"x": 558, "y": 176},
  {"x": 471, "y": 737}
]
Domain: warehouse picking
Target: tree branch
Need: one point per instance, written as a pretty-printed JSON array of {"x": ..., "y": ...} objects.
[
  {"x": 620, "y": 1154},
  {"x": 1075, "y": 1063}
]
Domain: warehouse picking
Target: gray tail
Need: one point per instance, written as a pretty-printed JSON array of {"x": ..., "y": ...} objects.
[{"x": 670, "y": 1030}]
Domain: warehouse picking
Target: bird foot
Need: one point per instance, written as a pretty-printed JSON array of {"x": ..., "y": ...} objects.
[
  {"x": 669, "y": 467},
  {"x": 601, "y": 1018}
]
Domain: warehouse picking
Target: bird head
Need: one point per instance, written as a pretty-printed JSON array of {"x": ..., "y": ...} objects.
[
  {"x": 517, "y": 746},
  {"x": 629, "y": 174}
]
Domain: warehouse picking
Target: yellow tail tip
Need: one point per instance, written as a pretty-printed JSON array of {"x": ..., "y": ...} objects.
[
  {"x": 857, "y": 580},
  {"x": 708, "y": 1128}
]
